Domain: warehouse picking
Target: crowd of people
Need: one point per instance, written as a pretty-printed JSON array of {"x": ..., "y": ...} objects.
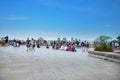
[
  {"x": 54, "y": 44},
  {"x": 15, "y": 42}
]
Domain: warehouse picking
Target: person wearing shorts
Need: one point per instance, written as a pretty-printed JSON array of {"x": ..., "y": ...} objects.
[{"x": 28, "y": 44}]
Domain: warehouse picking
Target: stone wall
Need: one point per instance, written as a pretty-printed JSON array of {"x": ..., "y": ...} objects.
[{"x": 111, "y": 56}]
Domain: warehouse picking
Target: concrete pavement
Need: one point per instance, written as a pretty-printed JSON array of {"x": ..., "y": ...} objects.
[{"x": 48, "y": 64}]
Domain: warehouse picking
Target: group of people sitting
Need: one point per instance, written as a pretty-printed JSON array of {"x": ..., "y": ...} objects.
[
  {"x": 65, "y": 47},
  {"x": 68, "y": 48}
]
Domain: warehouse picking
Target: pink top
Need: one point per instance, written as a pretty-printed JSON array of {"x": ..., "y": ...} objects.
[{"x": 69, "y": 48}]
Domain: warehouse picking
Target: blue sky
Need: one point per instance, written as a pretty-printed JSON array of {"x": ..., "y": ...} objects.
[{"x": 83, "y": 19}]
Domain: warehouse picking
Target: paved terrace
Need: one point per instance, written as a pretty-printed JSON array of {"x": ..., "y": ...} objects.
[{"x": 48, "y": 64}]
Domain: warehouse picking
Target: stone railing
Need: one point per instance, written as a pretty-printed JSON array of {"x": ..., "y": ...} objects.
[
  {"x": 111, "y": 56},
  {"x": 117, "y": 51}
]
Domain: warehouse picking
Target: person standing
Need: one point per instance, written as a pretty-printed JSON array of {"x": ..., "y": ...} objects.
[
  {"x": 33, "y": 44},
  {"x": 87, "y": 46},
  {"x": 53, "y": 46},
  {"x": 38, "y": 44},
  {"x": 28, "y": 44},
  {"x": 14, "y": 43},
  {"x": 6, "y": 39}
]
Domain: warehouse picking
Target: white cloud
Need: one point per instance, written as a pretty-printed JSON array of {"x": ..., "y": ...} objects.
[{"x": 14, "y": 17}]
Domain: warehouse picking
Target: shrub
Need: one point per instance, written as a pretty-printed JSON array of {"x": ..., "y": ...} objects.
[{"x": 104, "y": 47}]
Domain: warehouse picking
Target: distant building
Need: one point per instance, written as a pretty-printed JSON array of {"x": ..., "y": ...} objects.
[
  {"x": 72, "y": 39},
  {"x": 58, "y": 39},
  {"x": 76, "y": 39},
  {"x": 64, "y": 39}
]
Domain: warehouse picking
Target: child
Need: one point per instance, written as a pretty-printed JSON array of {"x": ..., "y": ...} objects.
[{"x": 73, "y": 49}]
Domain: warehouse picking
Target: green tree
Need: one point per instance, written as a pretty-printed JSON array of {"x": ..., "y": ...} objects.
[
  {"x": 118, "y": 39},
  {"x": 103, "y": 39}
]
